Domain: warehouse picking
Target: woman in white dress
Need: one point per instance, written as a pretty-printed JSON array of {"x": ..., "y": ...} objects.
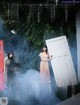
[
  {"x": 7, "y": 62},
  {"x": 44, "y": 66}
]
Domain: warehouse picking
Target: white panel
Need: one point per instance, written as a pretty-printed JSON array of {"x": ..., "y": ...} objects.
[
  {"x": 62, "y": 64},
  {"x": 78, "y": 42},
  {"x": 57, "y": 50}
]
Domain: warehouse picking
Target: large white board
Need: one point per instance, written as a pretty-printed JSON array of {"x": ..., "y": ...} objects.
[
  {"x": 62, "y": 63},
  {"x": 78, "y": 42}
]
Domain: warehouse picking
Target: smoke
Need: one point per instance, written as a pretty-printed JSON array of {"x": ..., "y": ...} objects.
[
  {"x": 24, "y": 85},
  {"x": 27, "y": 89}
]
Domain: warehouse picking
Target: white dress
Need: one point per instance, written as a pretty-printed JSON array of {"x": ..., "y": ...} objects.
[
  {"x": 6, "y": 63},
  {"x": 44, "y": 66}
]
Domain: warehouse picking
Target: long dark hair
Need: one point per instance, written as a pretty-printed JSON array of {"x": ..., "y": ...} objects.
[
  {"x": 9, "y": 55},
  {"x": 46, "y": 49}
]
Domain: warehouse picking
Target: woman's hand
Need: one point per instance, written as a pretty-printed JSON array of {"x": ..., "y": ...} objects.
[{"x": 51, "y": 57}]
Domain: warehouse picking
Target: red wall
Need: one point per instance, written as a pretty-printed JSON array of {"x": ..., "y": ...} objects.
[{"x": 1, "y": 56}]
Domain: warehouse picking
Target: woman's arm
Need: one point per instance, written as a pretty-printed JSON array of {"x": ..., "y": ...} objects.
[
  {"x": 43, "y": 59},
  {"x": 4, "y": 67},
  {"x": 50, "y": 57},
  {"x": 5, "y": 60}
]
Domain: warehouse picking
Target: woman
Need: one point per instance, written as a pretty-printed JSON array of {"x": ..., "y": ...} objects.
[
  {"x": 7, "y": 62},
  {"x": 44, "y": 66}
]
